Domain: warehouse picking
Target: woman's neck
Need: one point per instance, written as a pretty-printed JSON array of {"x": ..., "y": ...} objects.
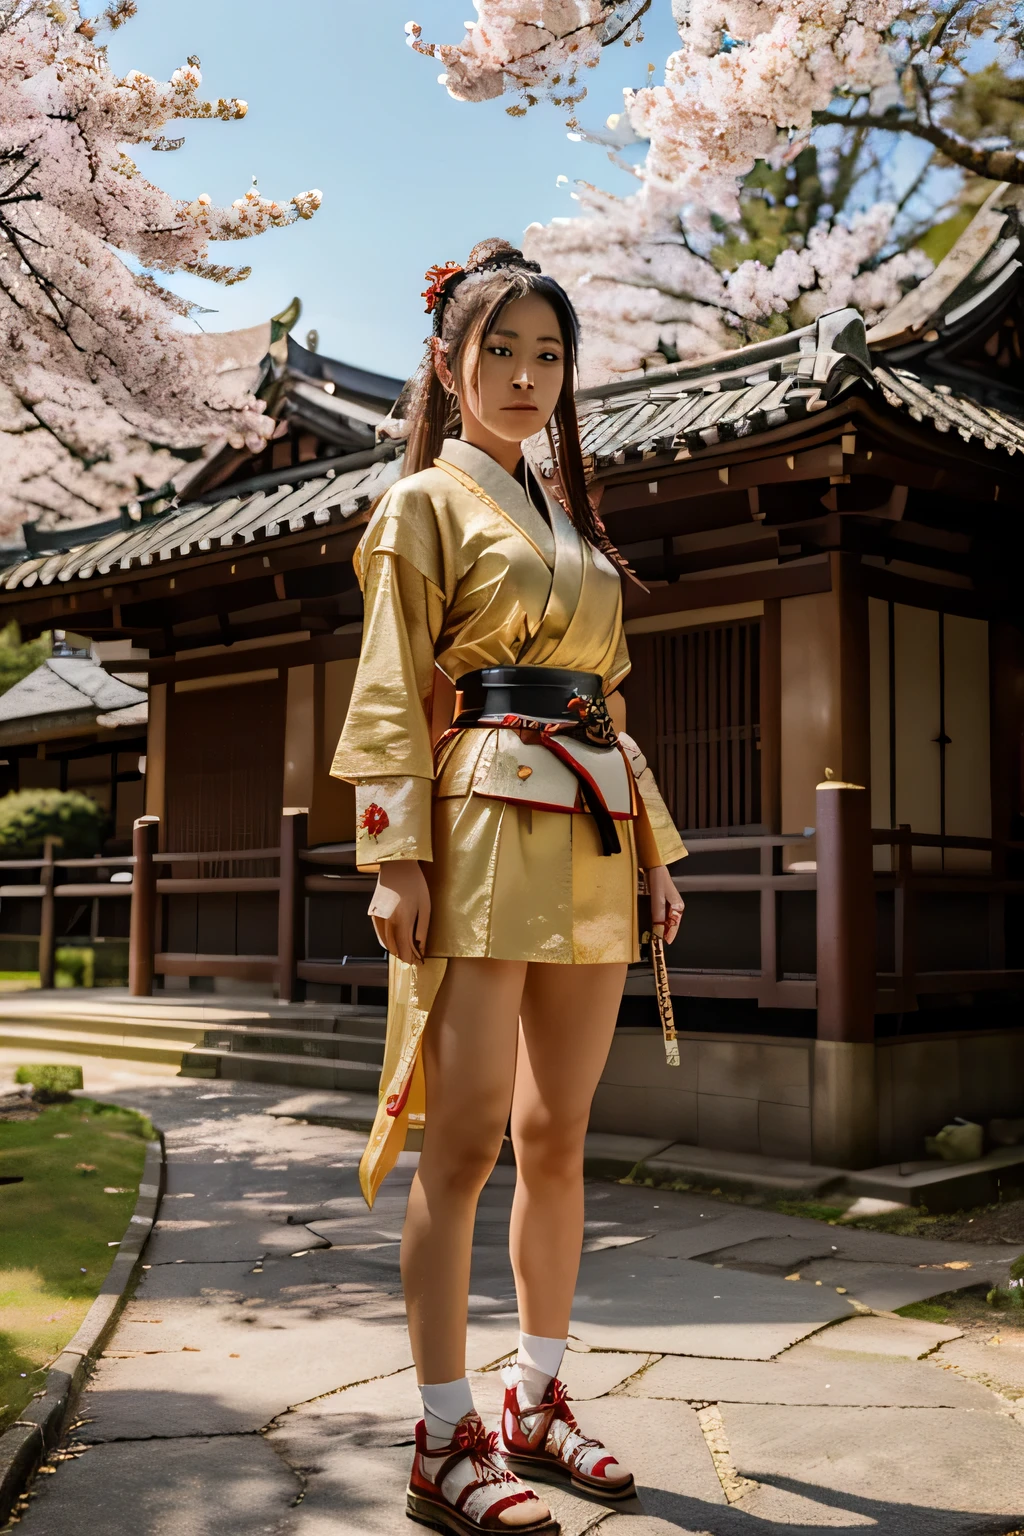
[{"x": 500, "y": 449}]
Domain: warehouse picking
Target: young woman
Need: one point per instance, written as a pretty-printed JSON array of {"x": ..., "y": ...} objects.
[{"x": 508, "y": 842}]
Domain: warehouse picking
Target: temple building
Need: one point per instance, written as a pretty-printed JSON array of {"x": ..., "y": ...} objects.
[{"x": 827, "y": 525}]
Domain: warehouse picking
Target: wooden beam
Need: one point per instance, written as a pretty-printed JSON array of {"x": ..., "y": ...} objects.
[
  {"x": 771, "y": 715},
  {"x": 966, "y": 469},
  {"x": 772, "y": 467},
  {"x": 1006, "y": 691},
  {"x": 217, "y": 885},
  {"x": 336, "y": 973},
  {"x": 141, "y": 942},
  {"x": 876, "y": 581},
  {"x": 781, "y": 581},
  {"x": 156, "y": 754},
  {"x": 180, "y": 668},
  {"x": 291, "y": 923},
  {"x": 235, "y": 967}
]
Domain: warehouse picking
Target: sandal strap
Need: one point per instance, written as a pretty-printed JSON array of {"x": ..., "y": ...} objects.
[
  {"x": 555, "y": 1410},
  {"x": 471, "y": 1442},
  {"x": 555, "y": 1405},
  {"x": 524, "y": 1497}
]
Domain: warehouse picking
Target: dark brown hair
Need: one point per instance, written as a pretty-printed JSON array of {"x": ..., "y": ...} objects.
[{"x": 470, "y": 301}]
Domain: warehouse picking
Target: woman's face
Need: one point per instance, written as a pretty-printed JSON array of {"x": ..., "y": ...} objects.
[{"x": 522, "y": 365}]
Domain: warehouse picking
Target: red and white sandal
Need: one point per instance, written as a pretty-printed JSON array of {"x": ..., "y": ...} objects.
[
  {"x": 545, "y": 1441},
  {"x": 465, "y": 1486}
]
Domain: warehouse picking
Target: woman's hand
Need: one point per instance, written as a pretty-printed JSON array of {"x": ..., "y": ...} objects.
[
  {"x": 666, "y": 903},
  {"x": 401, "y": 910}
]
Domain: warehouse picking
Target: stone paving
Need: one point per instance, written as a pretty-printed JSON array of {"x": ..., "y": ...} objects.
[{"x": 260, "y": 1380}]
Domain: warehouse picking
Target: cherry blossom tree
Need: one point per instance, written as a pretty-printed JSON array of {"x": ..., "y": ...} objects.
[
  {"x": 101, "y": 388},
  {"x": 770, "y": 110},
  {"x": 534, "y": 48}
]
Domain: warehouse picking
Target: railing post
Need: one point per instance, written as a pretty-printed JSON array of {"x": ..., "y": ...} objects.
[
  {"x": 769, "y": 931},
  {"x": 844, "y": 1115},
  {"x": 291, "y": 911},
  {"x": 142, "y": 939},
  {"x": 47, "y": 914}
]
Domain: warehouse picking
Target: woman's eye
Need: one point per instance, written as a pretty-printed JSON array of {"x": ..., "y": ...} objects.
[
  {"x": 500, "y": 351},
  {"x": 550, "y": 357}
]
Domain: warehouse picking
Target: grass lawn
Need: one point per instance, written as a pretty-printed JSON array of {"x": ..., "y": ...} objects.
[
  {"x": 81, "y": 1164},
  {"x": 17, "y": 981},
  {"x": 971, "y": 1311},
  {"x": 1002, "y": 1222}
]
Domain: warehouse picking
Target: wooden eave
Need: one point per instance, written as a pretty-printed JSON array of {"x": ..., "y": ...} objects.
[
  {"x": 751, "y": 461},
  {"x": 218, "y": 575}
]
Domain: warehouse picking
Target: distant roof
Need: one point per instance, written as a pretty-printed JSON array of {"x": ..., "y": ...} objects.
[
  {"x": 376, "y": 388},
  {"x": 912, "y": 362},
  {"x": 758, "y": 388},
  {"x": 985, "y": 257},
  {"x": 68, "y": 692},
  {"x": 304, "y": 501}
]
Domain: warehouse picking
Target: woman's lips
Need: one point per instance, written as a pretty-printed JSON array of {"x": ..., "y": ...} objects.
[{"x": 519, "y": 407}]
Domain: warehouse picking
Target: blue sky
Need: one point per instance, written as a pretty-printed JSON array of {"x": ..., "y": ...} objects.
[{"x": 338, "y": 101}]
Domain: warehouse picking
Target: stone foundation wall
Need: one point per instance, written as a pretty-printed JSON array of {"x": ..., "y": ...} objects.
[
  {"x": 736, "y": 1093},
  {"x": 924, "y": 1083},
  {"x": 744, "y": 1093}
]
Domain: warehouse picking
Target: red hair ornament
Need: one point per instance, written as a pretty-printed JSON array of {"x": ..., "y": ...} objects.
[{"x": 435, "y": 278}]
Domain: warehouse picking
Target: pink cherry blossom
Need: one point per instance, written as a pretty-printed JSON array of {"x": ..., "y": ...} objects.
[
  {"x": 742, "y": 87},
  {"x": 533, "y": 47},
  {"x": 99, "y": 385}
]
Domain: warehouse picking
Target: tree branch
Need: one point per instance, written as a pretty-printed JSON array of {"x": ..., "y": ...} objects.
[
  {"x": 670, "y": 293},
  {"x": 993, "y": 164},
  {"x": 915, "y": 184}
]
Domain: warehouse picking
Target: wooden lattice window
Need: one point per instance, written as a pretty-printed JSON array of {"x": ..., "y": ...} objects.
[
  {"x": 694, "y": 705},
  {"x": 225, "y": 767}
]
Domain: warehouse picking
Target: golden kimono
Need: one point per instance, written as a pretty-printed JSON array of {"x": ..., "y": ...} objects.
[{"x": 460, "y": 571}]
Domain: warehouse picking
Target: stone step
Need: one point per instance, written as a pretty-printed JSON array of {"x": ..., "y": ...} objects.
[
  {"x": 274, "y": 1067},
  {"x": 318, "y": 1044},
  {"x": 84, "y": 1043},
  {"x": 171, "y": 1032},
  {"x": 56, "y": 1008}
]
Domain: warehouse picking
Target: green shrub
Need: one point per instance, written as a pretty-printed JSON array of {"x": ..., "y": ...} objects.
[
  {"x": 1011, "y": 1294},
  {"x": 51, "y": 1082},
  {"x": 110, "y": 963},
  {"x": 20, "y": 657},
  {"x": 29, "y": 816},
  {"x": 75, "y": 966}
]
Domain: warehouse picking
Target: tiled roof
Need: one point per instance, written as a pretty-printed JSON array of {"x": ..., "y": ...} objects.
[
  {"x": 236, "y": 521},
  {"x": 68, "y": 685},
  {"x": 686, "y": 412}
]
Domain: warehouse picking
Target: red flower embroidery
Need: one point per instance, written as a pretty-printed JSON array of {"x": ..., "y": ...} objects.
[{"x": 374, "y": 820}]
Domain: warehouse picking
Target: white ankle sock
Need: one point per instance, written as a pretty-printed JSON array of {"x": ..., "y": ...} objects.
[
  {"x": 538, "y": 1360},
  {"x": 444, "y": 1404}
]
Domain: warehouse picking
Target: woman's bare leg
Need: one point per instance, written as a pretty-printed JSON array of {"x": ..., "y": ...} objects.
[
  {"x": 568, "y": 1017},
  {"x": 469, "y": 1059}
]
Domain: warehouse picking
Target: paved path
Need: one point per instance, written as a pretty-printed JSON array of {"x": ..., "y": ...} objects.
[{"x": 260, "y": 1380}]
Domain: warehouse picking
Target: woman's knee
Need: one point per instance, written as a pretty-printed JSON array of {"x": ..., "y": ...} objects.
[
  {"x": 549, "y": 1148},
  {"x": 458, "y": 1163}
]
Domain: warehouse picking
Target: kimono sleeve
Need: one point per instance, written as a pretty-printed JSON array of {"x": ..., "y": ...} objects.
[{"x": 385, "y": 748}]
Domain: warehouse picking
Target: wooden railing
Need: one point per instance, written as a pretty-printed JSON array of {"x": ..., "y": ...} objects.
[
  {"x": 289, "y": 968},
  {"x": 770, "y": 988},
  {"x": 896, "y": 991},
  {"x": 330, "y": 870},
  {"x": 899, "y": 990},
  {"x": 46, "y": 890}
]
